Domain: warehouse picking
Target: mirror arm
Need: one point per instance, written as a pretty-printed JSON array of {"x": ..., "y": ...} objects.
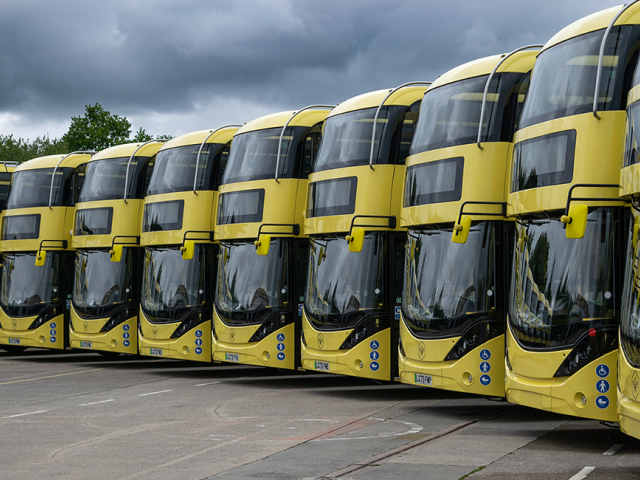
[
  {"x": 571, "y": 198},
  {"x": 391, "y": 218},
  {"x": 208, "y": 232}
]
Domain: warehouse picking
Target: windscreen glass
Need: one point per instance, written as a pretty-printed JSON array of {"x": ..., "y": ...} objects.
[
  {"x": 250, "y": 286},
  {"x": 26, "y": 288},
  {"x": 175, "y": 168},
  {"x": 564, "y": 78},
  {"x": 344, "y": 286},
  {"x": 100, "y": 285},
  {"x": 254, "y": 155},
  {"x": 563, "y": 287},
  {"x": 31, "y": 188},
  {"x": 632, "y": 152},
  {"x": 104, "y": 179},
  {"x": 630, "y": 315},
  {"x": 346, "y": 138},
  {"x": 450, "y": 115},
  {"x": 449, "y": 286},
  {"x": 171, "y": 285}
]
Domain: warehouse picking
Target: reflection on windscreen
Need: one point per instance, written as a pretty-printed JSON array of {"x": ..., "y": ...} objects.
[
  {"x": 172, "y": 286},
  {"x": 26, "y": 288},
  {"x": 564, "y": 77},
  {"x": 448, "y": 285},
  {"x": 100, "y": 284},
  {"x": 249, "y": 284},
  {"x": 104, "y": 179},
  {"x": 562, "y": 287},
  {"x": 342, "y": 283},
  {"x": 630, "y": 315},
  {"x": 31, "y": 188}
]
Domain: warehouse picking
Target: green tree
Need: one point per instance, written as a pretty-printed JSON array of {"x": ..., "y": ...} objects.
[
  {"x": 19, "y": 150},
  {"x": 97, "y": 129}
]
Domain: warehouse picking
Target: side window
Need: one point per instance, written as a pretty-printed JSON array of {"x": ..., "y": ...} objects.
[
  {"x": 146, "y": 176},
  {"x": 75, "y": 184},
  {"x": 5, "y": 182},
  {"x": 309, "y": 148},
  {"x": 402, "y": 136},
  {"x": 220, "y": 163}
]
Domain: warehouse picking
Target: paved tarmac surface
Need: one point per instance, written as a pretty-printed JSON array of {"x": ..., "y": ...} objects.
[{"x": 79, "y": 415}]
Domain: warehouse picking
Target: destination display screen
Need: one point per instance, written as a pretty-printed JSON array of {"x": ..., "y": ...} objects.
[
  {"x": 162, "y": 216},
  {"x": 332, "y": 197},
  {"x": 241, "y": 207},
  {"x": 434, "y": 182},
  {"x": 21, "y": 227},
  {"x": 93, "y": 221}
]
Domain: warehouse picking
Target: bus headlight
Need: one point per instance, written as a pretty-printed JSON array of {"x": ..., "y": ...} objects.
[
  {"x": 192, "y": 321},
  {"x": 47, "y": 314},
  {"x": 593, "y": 344}
]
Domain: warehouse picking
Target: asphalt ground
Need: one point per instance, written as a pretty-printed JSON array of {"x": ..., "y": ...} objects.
[{"x": 79, "y": 415}]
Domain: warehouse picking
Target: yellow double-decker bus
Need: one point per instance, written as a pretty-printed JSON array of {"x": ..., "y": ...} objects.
[
  {"x": 37, "y": 256},
  {"x": 564, "y": 195},
  {"x": 459, "y": 245},
  {"x": 354, "y": 284},
  {"x": 263, "y": 254},
  {"x": 106, "y": 239},
  {"x": 178, "y": 222}
]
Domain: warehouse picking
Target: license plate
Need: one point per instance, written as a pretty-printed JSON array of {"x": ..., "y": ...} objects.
[
  {"x": 156, "y": 351},
  {"x": 424, "y": 379},
  {"x": 86, "y": 345},
  {"x": 322, "y": 366},
  {"x": 14, "y": 341},
  {"x": 232, "y": 357}
]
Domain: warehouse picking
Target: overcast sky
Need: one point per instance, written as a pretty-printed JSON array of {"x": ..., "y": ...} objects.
[{"x": 172, "y": 67}]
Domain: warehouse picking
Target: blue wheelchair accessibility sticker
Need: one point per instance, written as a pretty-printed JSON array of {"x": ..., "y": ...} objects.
[
  {"x": 485, "y": 354},
  {"x": 52, "y": 325},
  {"x": 280, "y": 337},
  {"x": 374, "y": 345},
  {"x": 602, "y": 371},
  {"x": 125, "y": 327},
  {"x": 198, "y": 333}
]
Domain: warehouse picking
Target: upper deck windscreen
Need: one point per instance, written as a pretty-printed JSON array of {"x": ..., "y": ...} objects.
[
  {"x": 564, "y": 77},
  {"x": 450, "y": 115}
]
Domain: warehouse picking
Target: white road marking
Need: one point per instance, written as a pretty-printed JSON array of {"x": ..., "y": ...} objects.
[
  {"x": 219, "y": 435},
  {"x": 583, "y": 473},
  {"x": 415, "y": 428},
  {"x": 23, "y": 414},
  {"x": 614, "y": 449},
  {"x": 95, "y": 403},
  {"x": 379, "y": 419},
  {"x": 203, "y": 384},
  {"x": 317, "y": 420},
  {"x": 153, "y": 393}
]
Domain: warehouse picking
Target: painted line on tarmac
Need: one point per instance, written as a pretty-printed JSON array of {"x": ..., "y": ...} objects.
[
  {"x": 203, "y": 384},
  {"x": 583, "y": 473},
  {"x": 153, "y": 393},
  {"x": 415, "y": 428},
  {"x": 95, "y": 403},
  {"x": 317, "y": 420},
  {"x": 23, "y": 414},
  {"x": 51, "y": 376},
  {"x": 614, "y": 449}
]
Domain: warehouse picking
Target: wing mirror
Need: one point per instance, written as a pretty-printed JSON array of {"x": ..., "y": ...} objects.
[
  {"x": 576, "y": 221},
  {"x": 41, "y": 256},
  {"x": 356, "y": 239},
  {"x": 116, "y": 253},
  {"x": 187, "y": 249},
  {"x": 461, "y": 230},
  {"x": 262, "y": 244}
]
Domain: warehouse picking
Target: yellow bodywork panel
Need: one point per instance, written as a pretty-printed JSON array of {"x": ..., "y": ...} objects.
[
  {"x": 86, "y": 334},
  {"x": 628, "y": 395},
  {"x": 405, "y": 96},
  {"x": 307, "y": 118},
  {"x": 222, "y": 136},
  {"x": 55, "y": 225},
  {"x": 282, "y": 204},
  {"x": 599, "y": 148},
  {"x": 378, "y": 193},
  {"x": 198, "y": 214},
  {"x": 15, "y": 331},
  {"x": 125, "y": 221}
]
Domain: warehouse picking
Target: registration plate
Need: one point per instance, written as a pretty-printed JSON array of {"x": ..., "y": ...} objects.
[
  {"x": 424, "y": 379},
  {"x": 156, "y": 351},
  {"x": 232, "y": 357},
  {"x": 14, "y": 341},
  {"x": 322, "y": 366},
  {"x": 86, "y": 345}
]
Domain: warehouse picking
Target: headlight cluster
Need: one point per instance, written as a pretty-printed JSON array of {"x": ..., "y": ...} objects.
[
  {"x": 401, "y": 347},
  {"x": 594, "y": 344},
  {"x": 192, "y": 321},
  {"x": 363, "y": 330},
  {"x": 47, "y": 314},
  {"x": 116, "y": 319},
  {"x": 273, "y": 323},
  {"x": 476, "y": 335}
]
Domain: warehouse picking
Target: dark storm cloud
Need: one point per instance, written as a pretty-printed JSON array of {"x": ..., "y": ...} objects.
[{"x": 146, "y": 57}]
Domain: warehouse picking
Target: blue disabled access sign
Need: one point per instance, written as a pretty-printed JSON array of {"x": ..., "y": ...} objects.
[
  {"x": 198, "y": 333},
  {"x": 602, "y": 371},
  {"x": 374, "y": 345},
  {"x": 485, "y": 354},
  {"x": 280, "y": 337},
  {"x": 485, "y": 380},
  {"x": 602, "y": 402},
  {"x": 125, "y": 327}
]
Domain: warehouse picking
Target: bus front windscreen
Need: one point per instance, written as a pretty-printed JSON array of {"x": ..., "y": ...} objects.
[
  {"x": 26, "y": 288},
  {"x": 563, "y": 287},
  {"x": 249, "y": 286},
  {"x": 449, "y": 286},
  {"x": 101, "y": 286},
  {"x": 344, "y": 287},
  {"x": 171, "y": 285}
]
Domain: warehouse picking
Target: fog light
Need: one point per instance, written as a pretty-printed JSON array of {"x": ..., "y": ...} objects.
[
  {"x": 467, "y": 378},
  {"x": 42, "y": 339},
  {"x": 114, "y": 343},
  {"x": 359, "y": 365},
  {"x": 265, "y": 356},
  {"x": 185, "y": 350},
  {"x": 580, "y": 400}
]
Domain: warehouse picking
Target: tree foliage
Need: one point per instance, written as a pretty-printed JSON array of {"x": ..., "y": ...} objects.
[{"x": 97, "y": 129}]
